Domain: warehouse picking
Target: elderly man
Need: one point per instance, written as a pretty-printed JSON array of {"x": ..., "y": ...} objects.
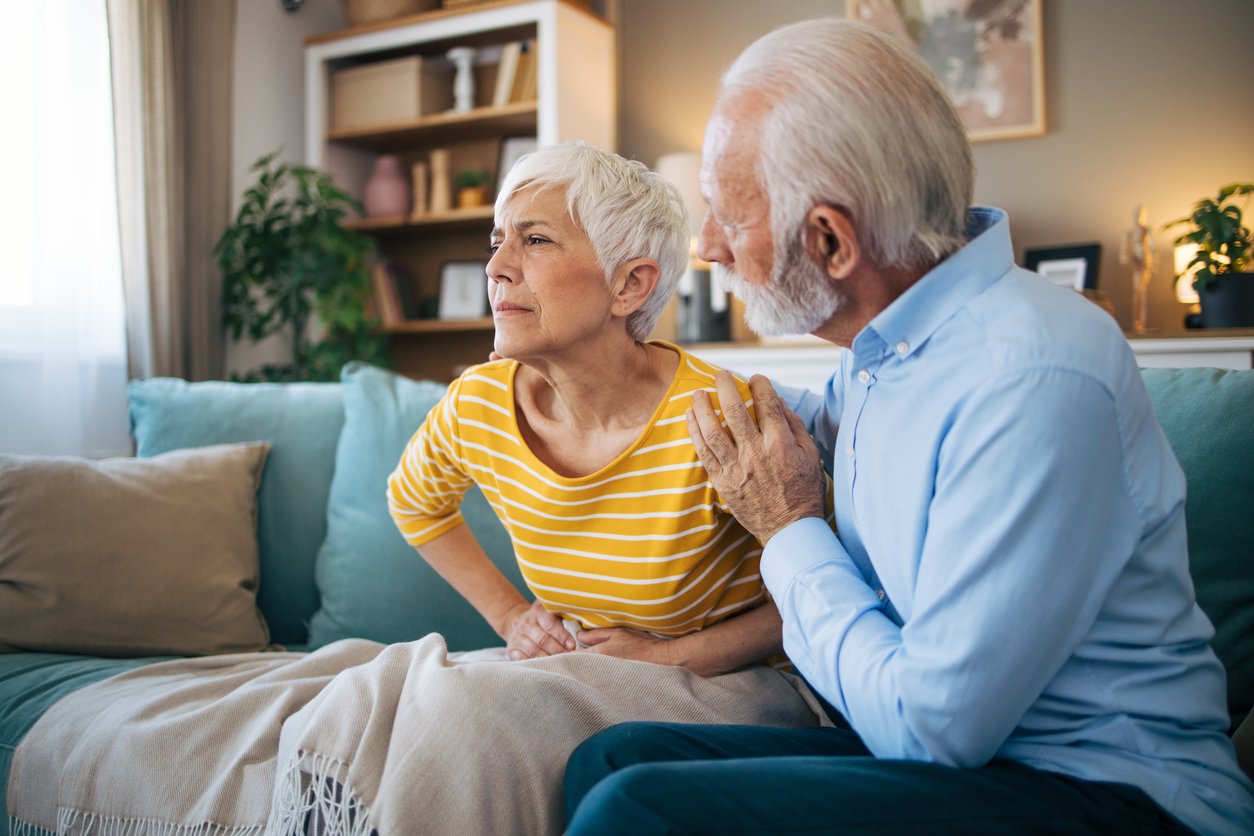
[{"x": 1005, "y": 620}]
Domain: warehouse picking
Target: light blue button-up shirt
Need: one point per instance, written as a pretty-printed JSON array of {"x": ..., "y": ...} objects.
[{"x": 1011, "y": 575}]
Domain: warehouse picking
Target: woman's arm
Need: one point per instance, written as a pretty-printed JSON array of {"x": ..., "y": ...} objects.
[
  {"x": 722, "y": 648},
  {"x": 528, "y": 629}
]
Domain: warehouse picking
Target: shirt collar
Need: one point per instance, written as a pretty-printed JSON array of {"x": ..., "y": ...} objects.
[{"x": 931, "y": 301}]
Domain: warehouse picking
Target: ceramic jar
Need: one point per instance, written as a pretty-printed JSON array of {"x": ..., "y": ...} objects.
[{"x": 387, "y": 192}]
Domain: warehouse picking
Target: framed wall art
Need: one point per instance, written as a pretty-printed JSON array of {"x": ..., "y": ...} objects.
[
  {"x": 463, "y": 290},
  {"x": 987, "y": 53}
]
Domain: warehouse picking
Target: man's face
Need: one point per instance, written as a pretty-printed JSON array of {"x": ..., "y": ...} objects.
[{"x": 785, "y": 293}]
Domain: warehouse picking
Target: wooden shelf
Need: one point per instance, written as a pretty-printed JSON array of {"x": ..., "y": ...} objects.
[
  {"x": 479, "y": 123},
  {"x": 479, "y": 216},
  {"x": 440, "y": 326},
  {"x": 431, "y": 16}
]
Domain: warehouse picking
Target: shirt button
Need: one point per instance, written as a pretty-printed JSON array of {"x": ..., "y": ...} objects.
[
  {"x": 864, "y": 376},
  {"x": 879, "y": 593},
  {"x": 902, "y": 348},
  {"x": 849, "y": 450}
]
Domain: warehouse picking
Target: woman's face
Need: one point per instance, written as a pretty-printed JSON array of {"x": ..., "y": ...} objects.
[{"x": 547, "y": 289}]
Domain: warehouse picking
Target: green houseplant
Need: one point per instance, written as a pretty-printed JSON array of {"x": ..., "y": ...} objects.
[
  {"x": 291, "y": 268},
  {"x": 1224, "y": 257},
  {"x": 471, "y": 185}
]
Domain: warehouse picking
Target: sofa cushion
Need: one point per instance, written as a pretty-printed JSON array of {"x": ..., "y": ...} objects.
[
  {"x": 301, "y": 422},
  {"x": 1206, "y": 415},
  {"x": 31, "y": 682},
  {"x": 372, "y": 583},
  {"x": 131, "y": 557}
]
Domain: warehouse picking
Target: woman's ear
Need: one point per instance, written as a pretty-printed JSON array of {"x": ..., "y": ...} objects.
[
  {"x": 637, "y": 280},
  {"x": 831, "y": 241}
]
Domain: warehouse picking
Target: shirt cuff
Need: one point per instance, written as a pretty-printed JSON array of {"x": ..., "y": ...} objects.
[{"x": 797, "y": 548}]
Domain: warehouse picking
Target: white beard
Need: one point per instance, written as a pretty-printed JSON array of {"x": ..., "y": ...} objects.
[{"x": 799, "y": 299}]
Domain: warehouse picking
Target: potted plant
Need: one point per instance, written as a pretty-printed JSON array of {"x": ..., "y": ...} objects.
[
  {"x": 1224, "y": 257},
  {"x": 472, "y": 188},
  {"x": 290, "y": 268}
]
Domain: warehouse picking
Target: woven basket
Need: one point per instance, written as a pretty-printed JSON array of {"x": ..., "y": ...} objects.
[
  {"x": 357, "y": 12},
  {"x": 461, "y": 4}
]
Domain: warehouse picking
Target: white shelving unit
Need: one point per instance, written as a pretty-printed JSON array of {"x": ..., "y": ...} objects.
[{"x": 575, "y": 99}]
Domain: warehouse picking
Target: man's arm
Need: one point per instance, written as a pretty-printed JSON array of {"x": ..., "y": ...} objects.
[{"x": 1029, "y": 527}]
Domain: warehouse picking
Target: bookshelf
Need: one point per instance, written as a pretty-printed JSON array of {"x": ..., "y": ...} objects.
[{"x": 573, "y": 51}]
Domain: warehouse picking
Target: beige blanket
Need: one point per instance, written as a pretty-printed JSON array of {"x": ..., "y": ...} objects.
[{"x": 355, "y": 737}]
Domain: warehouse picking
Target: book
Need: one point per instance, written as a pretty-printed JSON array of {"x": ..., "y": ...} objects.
[
  {"x": 418, "y": 183},
  {"x": 506, "y": 72},
  {"x": 525, "y": 75},
  {"x": 387, "y": 301}
]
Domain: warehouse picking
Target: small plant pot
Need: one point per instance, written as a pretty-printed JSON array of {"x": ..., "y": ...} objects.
[
  {"x": 472, "y": 196},
  {"x": 1228, "y": 301}
]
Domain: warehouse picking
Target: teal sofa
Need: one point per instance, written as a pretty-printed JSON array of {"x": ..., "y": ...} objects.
[{"x": 333, "y": 566}]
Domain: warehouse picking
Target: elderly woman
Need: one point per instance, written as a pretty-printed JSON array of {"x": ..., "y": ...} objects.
[{"x": 578, "y": 439}]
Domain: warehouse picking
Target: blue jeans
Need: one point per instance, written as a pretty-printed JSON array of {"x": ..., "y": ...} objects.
[{"x": 655, "y": 778}]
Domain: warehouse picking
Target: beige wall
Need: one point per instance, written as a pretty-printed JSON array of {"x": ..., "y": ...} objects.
[
  {"x": 1137, "y": 112},
  {"x": 1136, "y": 108},
  {"x": 269, "y": 107}
]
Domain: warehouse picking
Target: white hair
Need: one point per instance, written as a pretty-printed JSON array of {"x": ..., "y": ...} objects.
[
  {"x": 626, "y": 210},
  {"x": 858, "y": 121}
]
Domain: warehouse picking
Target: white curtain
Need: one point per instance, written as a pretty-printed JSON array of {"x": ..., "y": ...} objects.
[{"x": 62, "y": 319}]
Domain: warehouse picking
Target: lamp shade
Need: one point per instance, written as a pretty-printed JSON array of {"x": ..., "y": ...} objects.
[
  {"x": 682, "y": 169},
  {"x": 1185, "y": 294}
]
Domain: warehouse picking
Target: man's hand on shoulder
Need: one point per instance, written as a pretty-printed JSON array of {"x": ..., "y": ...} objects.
[{"x": 769, "y": 473}]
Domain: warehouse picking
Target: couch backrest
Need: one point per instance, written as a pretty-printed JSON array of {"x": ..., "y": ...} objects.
[
  {"x": 1208, "y": 417},
  {"x": 302, "y": 422}
]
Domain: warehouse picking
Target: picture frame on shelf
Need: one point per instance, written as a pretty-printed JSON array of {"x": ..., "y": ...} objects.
[
  {"x": 990, "y": 61},
  {"x": 512, "y": 149},
  {"x": 1072, "y": 266},
  {"x": 463, "y": 290}
]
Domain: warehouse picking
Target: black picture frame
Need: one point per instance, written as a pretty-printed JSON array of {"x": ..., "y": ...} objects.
[{"x": 1072, "y": 265}]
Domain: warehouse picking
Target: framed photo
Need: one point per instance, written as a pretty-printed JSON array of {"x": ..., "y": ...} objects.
[
  {"x": 988, "y": 55},
  {"x": 1073, "y": 266},
  {"x": 513, "y": 147},
  {"x": 463, "y": 290}
]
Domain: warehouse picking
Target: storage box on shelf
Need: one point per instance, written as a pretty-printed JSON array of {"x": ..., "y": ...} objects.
[
  {"x": 574, "y": 98},
  {"x": 380, "y": 94}
]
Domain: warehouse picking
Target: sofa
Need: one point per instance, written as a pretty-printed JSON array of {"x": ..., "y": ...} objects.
[{"x": 109, "y": 566}]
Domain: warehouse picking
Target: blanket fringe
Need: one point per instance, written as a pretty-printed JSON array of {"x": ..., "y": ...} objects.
[
  {"x": 94, "y": 824},
  {"x": 310, "y": 797},
  {"x": 17, "y": 827}
]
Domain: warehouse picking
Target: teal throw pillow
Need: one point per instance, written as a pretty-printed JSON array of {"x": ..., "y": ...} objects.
[
  {"x": 1206, "y": 415},
  {"x": 372, "y": 583},
  {"x": 301, "y": 422}
]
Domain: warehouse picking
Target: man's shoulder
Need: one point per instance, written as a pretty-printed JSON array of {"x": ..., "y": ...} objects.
[{"x": 1025, "y": 322}]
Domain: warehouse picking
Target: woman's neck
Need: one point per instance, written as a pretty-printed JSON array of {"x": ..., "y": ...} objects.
[{"x": 606, "y": 389}]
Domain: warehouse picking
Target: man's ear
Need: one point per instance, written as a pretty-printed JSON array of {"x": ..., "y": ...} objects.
[
  {"x": 831, "y": 241},
  {"x": 636, "y": 282}
]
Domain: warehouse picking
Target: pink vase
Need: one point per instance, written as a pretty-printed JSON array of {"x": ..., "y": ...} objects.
[{"x": 387, "y": 191}]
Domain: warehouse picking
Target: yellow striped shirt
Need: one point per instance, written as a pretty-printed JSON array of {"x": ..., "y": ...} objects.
[{"x": 645, "y": 542}]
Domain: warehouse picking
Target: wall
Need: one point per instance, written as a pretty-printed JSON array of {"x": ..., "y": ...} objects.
[
  {"x": 1135, "y": 108},
  {"x": 269, "y": 109},
  {"x": 1137, "y": 112}
]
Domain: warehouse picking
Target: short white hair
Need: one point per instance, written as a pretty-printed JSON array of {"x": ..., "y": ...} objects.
[
  {"x": 626, "y": 210},
  {"x": 858, "y": 121}
]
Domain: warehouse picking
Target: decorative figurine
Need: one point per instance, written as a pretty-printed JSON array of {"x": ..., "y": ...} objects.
[
  {"x": 463, "y": 58},
  {"x": 441, "y": 199},
  {"x": 1139, "y": 250}
]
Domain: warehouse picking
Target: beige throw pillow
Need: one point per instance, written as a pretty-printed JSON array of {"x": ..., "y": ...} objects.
[{"x": 132, "y": 557}]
